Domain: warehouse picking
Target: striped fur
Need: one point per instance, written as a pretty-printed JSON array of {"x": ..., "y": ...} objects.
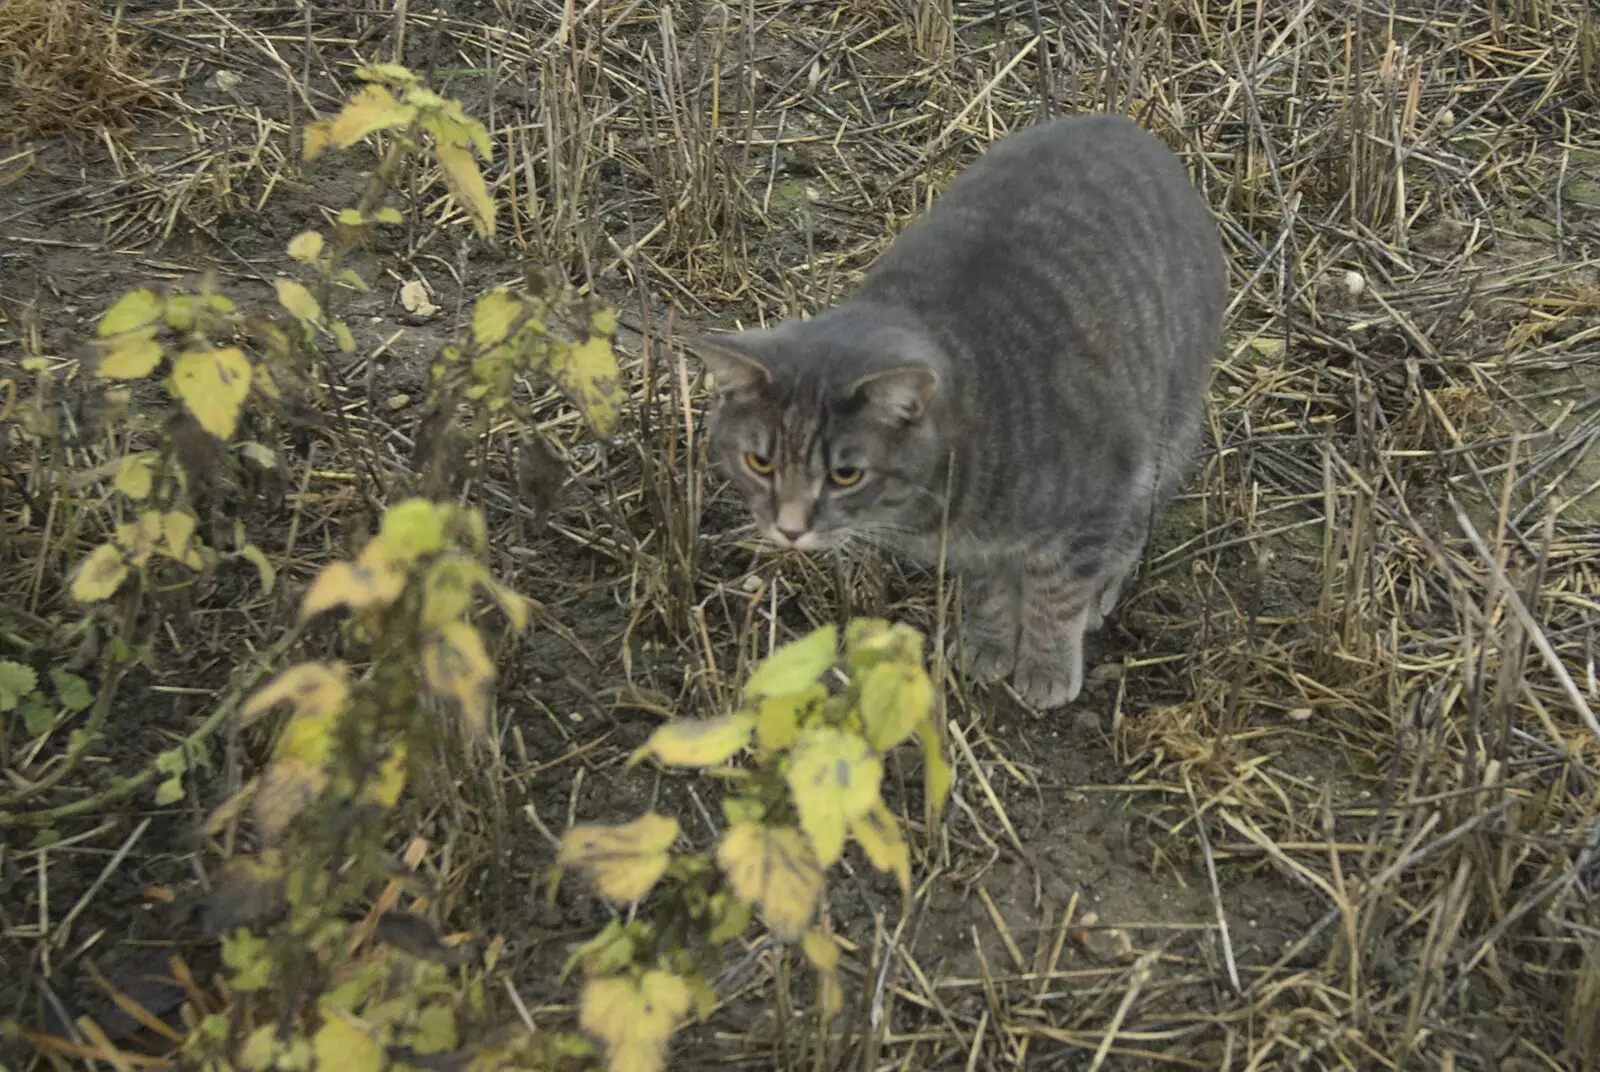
[{"x": 1029, "y": 358}]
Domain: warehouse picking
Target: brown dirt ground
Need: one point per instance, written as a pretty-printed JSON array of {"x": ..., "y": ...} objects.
[{"x": 1216, "y": 672}]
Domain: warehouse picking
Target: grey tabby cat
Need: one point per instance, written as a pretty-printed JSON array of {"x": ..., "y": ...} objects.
[{"x": 1027, "y": 362}]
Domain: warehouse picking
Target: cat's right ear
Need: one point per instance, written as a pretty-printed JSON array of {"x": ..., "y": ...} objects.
[{"x": 731, "y": 359}]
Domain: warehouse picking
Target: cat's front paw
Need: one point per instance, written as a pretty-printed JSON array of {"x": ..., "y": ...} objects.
[
  {"x": 988, "y": 658},
  {"x": 1047, "y": 685},
  {"x": 1049, "y": 669}
]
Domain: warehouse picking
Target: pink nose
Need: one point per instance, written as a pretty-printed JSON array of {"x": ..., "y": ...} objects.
[{"x": 792, "y": 535}]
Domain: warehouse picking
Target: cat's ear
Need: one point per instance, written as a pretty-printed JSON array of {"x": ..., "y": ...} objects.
[
  {"x": 733, "y": 360},
  {"x": 900, "y": 394}
]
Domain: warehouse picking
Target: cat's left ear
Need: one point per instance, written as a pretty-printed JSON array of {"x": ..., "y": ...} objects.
[{"x": 901, "y": 394}]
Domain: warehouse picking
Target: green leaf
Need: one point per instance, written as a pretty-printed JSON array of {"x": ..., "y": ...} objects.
[
  {"x": 794, "y": 666},
  {"x": 246, "y": 956},
  {"x": 169, "y": 792},
  {"x": 72, "y": 690},
  {"x": 16, "y": 681},
  {"x": 895, "y": 699},
  {"x": 38, "y": 714}
]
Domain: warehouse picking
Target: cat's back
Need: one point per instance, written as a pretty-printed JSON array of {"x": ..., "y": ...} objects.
[
  {"x": 1089, "y": 191},
  {"x": 1074, "y": 278}
]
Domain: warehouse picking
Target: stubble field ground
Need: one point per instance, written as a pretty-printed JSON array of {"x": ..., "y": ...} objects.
[{"x": 1332, "y": 798}]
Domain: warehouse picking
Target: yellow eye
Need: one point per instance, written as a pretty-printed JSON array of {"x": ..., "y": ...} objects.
[
  {"x": 845, "y": 476},
  {"x": 759, "y": 464}
]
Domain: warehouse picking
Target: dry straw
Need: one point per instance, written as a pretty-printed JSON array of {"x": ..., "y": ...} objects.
[{"x": 1349, "y": 698}]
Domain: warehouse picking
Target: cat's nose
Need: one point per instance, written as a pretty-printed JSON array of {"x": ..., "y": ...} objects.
[{"x": 792, "y": 535}]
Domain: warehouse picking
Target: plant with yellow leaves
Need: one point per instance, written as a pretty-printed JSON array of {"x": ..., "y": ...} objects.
[
  {"x": 818, "y": 723},
  {"x": 308, "y": 981}
]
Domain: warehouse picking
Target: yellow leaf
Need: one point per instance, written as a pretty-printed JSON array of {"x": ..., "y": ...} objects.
[
  {"x": 937, "y": 776},
  {"x": 136, "y": 476},
  {"x": 314, "y": 689},
  {"x": 493, "y": 316},
  {"x": 634, "y": 1021},
  {"x": 879, "y": 836},
  {"x": 178, "y": 528},
  {"x": 870, "y": 640},
  {"x": 308, "y": 736},
  {"x": 823, "y": 953},
  {"x": 456, "y": 665},
  {"x": 388, "y": 214},
  {"x": 269, "y": 576},
  {"x": 343, "y": 336},
  {"x": 317, "y": 137},
  {"x": 895, "y": 698},
  {"x": 461, "y": 174},
  {"x": 623, "y": 862},
  {"x": 260, "y": 1050},
  {"x": 777, "y": 723},
  {"x": 514, "y": 604},
  {"x": 386, "y": 788},
  {"x": 588, "y": 373},
  {"x": 774, "y": 869},
  {"x": 288, "y": 787},
  {"x": 340, "y": 1046},
  {"x": 392, "y": 73},
  {"x": 371, "y": 109},
  {"x": 370, "y": 581},
  {"x": 794, "y": 666},
  {"x": 131, "y": 356},
  {"x": 465, "y": 127},
  {"x": 698, "y": 742},
  {"x": 140, "y": 537},
  {"x": 264, "y": 381},
  {"x": 213, "y": 385},
  {"x": 447, "y": 589},
  {"x": 834, "y": 778},
  {"x": 136, "y": 309},
  {"x": 298, "y": 301},
  {"x": 101, "y": 574},
  {"x": 305, "y": 247},
  {"x": 411, "y": 529},
  {"x": 180, "y": 312},
  {"x": 436, "y": 1030}
]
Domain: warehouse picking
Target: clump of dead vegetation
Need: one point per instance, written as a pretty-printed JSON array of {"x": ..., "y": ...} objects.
[{"x": 68, "y": 65}]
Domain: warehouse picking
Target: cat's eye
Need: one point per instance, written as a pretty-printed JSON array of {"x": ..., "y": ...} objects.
[
  {"x": 758, "y": 464},
  {"x": 844, "y": 476}
]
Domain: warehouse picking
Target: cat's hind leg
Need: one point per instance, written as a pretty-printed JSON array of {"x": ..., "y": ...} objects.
[
  {"x": 1112, "y": 584},
  {"x": 991, "y": 620}
]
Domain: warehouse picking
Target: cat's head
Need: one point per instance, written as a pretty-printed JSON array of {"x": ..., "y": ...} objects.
[{"x": 828, "y": 427}]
